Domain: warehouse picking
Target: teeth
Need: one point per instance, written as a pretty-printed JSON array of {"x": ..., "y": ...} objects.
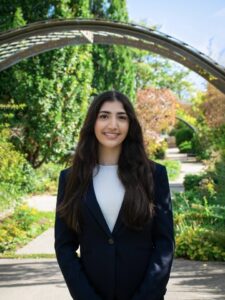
[{"x": 111, "y": 134}]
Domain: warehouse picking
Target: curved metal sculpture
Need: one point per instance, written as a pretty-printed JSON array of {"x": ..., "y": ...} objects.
[
  {"x": 43, "y": 36},
  {"x": 187, "y": 124}
]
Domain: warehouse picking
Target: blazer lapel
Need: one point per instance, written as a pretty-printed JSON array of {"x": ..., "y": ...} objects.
[
  {"x": 119, "y": 222},
  {"x": 92, "y": 203}
]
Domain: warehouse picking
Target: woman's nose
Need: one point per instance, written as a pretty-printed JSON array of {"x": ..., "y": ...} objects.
[{"x": 113, "y": 123}]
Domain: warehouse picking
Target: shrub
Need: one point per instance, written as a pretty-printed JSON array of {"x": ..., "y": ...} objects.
[
  {"x": 185, "y": 147},
  {"x": 199, "y": 227},
  {"x": 182, "y": 135},
  {"x": 200, "y": 146},
  {"x": 18, "y": 178},
  {"x": 46, "y": 177},
  {"x": 200, "y": 244},
  {"x": 191, "y": 182},
  {"x": 155, "y": 149},
  {"x": 160, "y": 150},
  {"x": 25, "y": 224},
  {"x": 16, "y": 175},
  {"x": 207, "y": 190},
  {"x": 173, "y": 167},
  {"x": 209, "y": 185},
  {"x": 219, "y": 178},
  {"x": 9, "y": 196}
]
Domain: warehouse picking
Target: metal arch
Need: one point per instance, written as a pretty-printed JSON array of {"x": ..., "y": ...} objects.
[
  {"x": 43, "y": 36},
  {"x": 186, "y": 123}
]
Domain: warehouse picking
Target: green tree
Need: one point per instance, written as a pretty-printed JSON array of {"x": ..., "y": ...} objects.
[
  {"x": 113, "y": 67},
  {"x": 155, "y": 71},
  {"x": 54, "y": 87}
]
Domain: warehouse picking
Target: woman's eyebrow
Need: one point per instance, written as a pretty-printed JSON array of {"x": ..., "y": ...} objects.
[
  {"x": 104, "y": 111},
  {"x": 122, "y": 113},
  {"x": 109, "y": 112}
]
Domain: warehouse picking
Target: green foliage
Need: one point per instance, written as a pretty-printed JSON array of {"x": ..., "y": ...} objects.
[
  {"x": 113, "y": 67},
  {"x": 209, "y": 112},
  {"x": 202, "y": 187},
  {"x": 46, "y": 178},
  {"x": 209, "y": 185},
  {"x": 160, "y": 151},
  {"x": 16, "y": 13},
  {"x": 155, "y": 149},
  {"x": 191, "y": 182},
  {"x": 198, "y": 243},
  {"x": 182, "y": 135},
  {"x": 117, "y": 10},
  {"x": 16, "y": 175},
  {"x": 152, "y": 70},
  {"x": 198, "y": 227},
  {"x": 208, "y": 140},
  {"x": 54, "y": 88},
  {"x": 7, "y": 113},
  {"x": 185, "y": 147},
  {"x": 200, "y": 215},
  {"x": 200, "y": 146},
  {"x": 173, "y": 167},
  {"x": 185, "y": 138},
  {"x": 25, "y": 224},
  {"x": 218, "y": 137},
  {"x": 18, "y": 178},
  {"x": 218, "y": 176}
]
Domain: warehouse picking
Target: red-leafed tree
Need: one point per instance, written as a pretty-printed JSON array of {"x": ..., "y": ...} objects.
[
  {"x": 214, "y": 107},
  {"x": 156, "y": 110}
]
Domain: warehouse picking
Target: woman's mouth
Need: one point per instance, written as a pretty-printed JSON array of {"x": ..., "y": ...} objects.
[{"x": 111, "y": 135}]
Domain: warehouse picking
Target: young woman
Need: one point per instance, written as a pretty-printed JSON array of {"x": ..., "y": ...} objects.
[{"x": 114, "y": 203}]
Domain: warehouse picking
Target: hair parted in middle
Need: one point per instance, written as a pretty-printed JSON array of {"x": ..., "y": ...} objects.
[{"x": 135, "y": 170}]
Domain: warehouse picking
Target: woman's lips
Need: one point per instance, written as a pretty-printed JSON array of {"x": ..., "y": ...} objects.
[{"x": 111, "y": 135}]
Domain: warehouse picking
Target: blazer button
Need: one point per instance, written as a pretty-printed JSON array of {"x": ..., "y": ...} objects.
[{"x": 111, "y": 241}]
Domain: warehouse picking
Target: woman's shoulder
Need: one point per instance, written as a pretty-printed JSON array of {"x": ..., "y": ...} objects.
[
  {"x": 66, "y": 172},
  {"x": 157, "y": 167}
]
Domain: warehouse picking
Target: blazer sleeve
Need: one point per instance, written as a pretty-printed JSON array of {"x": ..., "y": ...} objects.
[
  {"x": 66, "y": 245},
  {"x": 154, "y": 284}
]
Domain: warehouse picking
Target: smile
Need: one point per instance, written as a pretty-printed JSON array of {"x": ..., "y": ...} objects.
[{"x": 111, "y": 135}]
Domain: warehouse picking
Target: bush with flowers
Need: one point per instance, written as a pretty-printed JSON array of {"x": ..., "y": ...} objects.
[
  {"x": 199, "y": 215},
  {"x": 25, "y": 224}
]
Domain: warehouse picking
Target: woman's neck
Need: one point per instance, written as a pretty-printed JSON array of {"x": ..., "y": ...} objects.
[{"x": 108, "y": 156}]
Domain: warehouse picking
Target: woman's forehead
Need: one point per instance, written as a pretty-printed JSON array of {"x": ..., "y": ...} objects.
[{"x": 112, "y": 106}]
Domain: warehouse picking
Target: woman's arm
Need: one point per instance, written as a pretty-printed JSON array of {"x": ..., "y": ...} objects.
[
  {"x": 154, "y": 284},
  {"x": 66, "y": 245}
]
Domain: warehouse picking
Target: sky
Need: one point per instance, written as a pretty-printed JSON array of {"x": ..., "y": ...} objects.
[{"x": 200, "y": 23}]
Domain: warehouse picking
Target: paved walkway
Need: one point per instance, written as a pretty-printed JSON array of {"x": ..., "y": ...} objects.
[
  {"x": 41, "y": 279},
  {"x": 190, "y": 280},
  {"x": 42, "y": 202},
  {"x": 189, "y": 165}
]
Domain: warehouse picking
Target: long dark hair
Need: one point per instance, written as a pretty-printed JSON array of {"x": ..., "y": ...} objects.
[{"x": 135, "y": 170}]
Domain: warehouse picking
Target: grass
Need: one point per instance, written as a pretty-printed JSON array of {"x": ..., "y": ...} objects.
[
  {"x": 12, "y": 255},
  {"x": 21, "y": 227}
]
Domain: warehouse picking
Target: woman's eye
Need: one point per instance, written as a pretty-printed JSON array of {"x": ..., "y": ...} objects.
[
  {"x": 123, "y": 118},
  {"x": 103, "y": 117}
]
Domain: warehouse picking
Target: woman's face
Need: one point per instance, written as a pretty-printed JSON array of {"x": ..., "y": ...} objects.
[{"x": 112, "y": 124}]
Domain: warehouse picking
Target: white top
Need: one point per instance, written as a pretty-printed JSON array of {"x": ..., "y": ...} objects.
[{"x": 109, "y": 192}]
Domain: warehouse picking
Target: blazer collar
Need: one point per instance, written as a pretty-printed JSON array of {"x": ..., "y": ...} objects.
[{"x": 92, "y": 203}]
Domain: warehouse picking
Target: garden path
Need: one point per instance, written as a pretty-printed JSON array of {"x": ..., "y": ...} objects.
[
  {"x": 41, "y": 279},
  {"x": 189, "y": 165}
]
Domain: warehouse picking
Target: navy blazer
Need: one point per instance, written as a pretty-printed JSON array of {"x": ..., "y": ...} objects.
[{"x": 123, "y": 264}]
